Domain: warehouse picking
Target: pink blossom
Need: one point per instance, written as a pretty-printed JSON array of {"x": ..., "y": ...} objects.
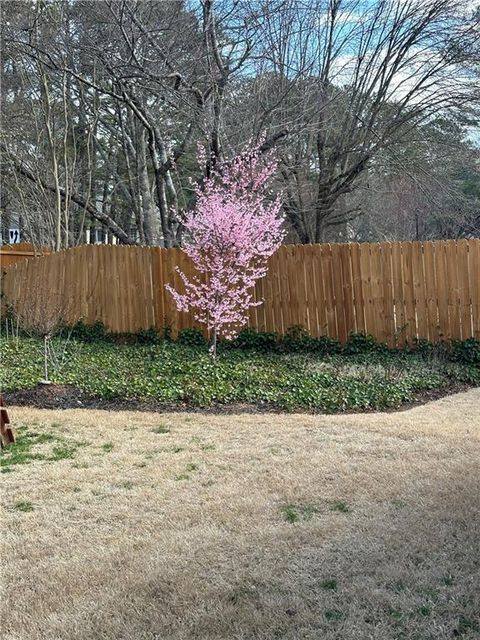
[{"x": 230, "y": 234}]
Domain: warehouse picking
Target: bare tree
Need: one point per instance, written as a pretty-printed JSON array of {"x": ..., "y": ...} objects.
[
  {"x": 349, "y": 79},
  {"x": 43, "y": 313}
]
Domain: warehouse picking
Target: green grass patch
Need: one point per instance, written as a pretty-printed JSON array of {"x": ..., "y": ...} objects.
[
  {"x": 334, "y": 615},
  {"x": 176, "y": 449},
  {"x": 329, "y": 585},
  {"x": 161, "y": 429},
  {"x": 23, "y": 506},
  {"x": 63, "y": 452},
  {"x": 396, "y": 614},
  {"x": 396, "y": 587},
  {"x": 466, "y": 625},
  {"x": 295, "y": 513},
  {"x": 340, "y": 506},
  {"x": 424, "y": 610},
  {"x": 207, "y": 447},
  {"x": 31, "y": 446},
  {"x": 189, "y": 469},
  {"x": 290, "y": 514}
]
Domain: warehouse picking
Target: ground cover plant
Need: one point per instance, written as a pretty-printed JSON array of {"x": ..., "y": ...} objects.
[
  {"x": 188, "y": 525},
  {"x": 292, "y": 373}
]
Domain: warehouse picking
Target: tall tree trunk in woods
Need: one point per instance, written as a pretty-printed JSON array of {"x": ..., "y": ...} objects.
[{"x": 149, "y": 215}]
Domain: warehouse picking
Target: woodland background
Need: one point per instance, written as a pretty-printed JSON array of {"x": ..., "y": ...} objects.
[{"x": 371, "y": 106}]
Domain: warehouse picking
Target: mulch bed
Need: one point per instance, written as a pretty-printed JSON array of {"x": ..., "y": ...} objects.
[{"x": 55, "y": 396}]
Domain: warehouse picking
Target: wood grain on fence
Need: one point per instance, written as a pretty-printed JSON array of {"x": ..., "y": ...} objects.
[{"x": 398, "y": 292}]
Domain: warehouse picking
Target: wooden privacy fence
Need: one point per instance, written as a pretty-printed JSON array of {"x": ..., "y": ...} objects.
[
  {"x": 12, "y": 253},
  {"x": 397, "y": 292}
]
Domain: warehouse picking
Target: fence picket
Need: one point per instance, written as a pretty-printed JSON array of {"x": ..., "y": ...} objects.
[
  {"x": 452, "y": 296},
  {"x": 474, "y": 279},
  {"x": 419, "y": 290},
  {"x": 327, "y": 271},
  {"x": 321, "y": 307},
  {"x": 283, "y": 291},
  {"x": 300, "y": 275},
  {"x": 464, "y": 289},
  {"x": 441, "y": 273},
  {"x": 268, "y": 303},
  {"x": 347, "y": 279},
  {"x": 366, "y": 279},
  {"x": 386, "y": 283},
  {"x": 338, "y": 279},
  {"x": 357, "y": 288},
  {"x": 431, "y": 291},
  {"x": 310, "y": 293},
  {"x": 409, "y": 293}
]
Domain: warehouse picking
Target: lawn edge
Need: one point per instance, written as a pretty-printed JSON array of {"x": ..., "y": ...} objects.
[{"x": 71, "y": 397}]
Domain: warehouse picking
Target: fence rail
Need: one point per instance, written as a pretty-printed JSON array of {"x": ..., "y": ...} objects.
[{"x": 398, "y": 292}]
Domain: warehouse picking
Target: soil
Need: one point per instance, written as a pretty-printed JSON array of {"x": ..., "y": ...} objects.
[{"x": 57, "y": 396}]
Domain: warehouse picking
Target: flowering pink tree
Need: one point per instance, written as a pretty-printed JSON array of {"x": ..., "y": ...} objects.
[{"x": 230, "y": 234}]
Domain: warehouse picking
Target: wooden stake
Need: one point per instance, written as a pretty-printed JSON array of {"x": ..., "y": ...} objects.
[{"x": 7, "y": 435}]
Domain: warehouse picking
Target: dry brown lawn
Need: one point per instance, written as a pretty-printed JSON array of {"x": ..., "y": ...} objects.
[{"x": 176, "y": 526}]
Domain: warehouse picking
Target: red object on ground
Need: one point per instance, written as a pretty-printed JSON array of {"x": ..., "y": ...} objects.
[{"x": 7, "y": 435}]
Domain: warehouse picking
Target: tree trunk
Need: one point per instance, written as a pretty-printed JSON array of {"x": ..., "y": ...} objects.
[
  {"x": 213, "y": 348},
  {"x": 150, "y": 221},
  {"x": 45, "y": 358}
]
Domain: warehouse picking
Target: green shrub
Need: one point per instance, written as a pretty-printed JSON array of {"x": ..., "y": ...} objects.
[
  {"x": 167, "y": 331},
  {"x": 325, "y": 345},
  {"x": 425, "y": 347},
  {"x": 89, "y": 332},
  {"x": 431, "y": 350},
  {"x": 467, "y": 352},
  {"x": 463, "y": 351},
  {"x": 362, "y": 343},
  {"x": 191, "y": 337},
  {"x": 148, "y": 336},
  {"x": 258, "y": 340},
  {"x": 296, "y": 339},
  {"x": 97, "y": 332}
]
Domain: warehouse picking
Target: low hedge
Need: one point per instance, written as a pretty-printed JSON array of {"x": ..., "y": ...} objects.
[{"x": 295, "y": 340}]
